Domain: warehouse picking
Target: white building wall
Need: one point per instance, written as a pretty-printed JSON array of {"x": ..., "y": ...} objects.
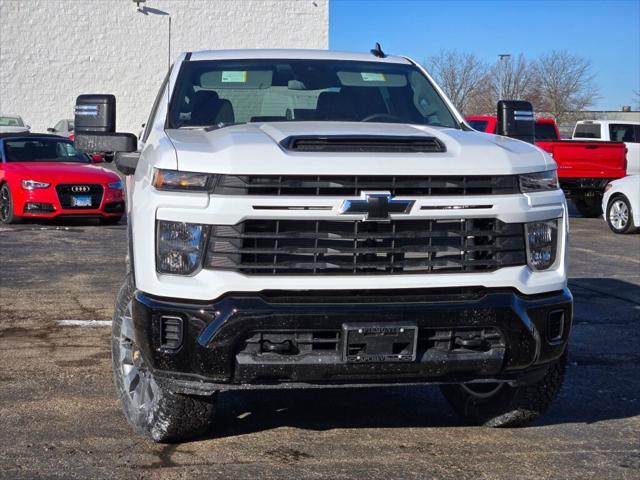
[{"x": 53, "y": 50}]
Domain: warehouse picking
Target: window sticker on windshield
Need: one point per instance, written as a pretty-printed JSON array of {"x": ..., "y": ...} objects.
[
  {"x": 372, "y": 77},
  {"x": 234, "y": 77}
]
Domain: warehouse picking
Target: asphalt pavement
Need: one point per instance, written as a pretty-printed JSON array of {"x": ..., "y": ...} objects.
[{"x": 59, "y": 416}]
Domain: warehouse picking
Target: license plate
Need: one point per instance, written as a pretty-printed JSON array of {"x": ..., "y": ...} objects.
[
  {"x": 377, "y": 343},
  {"x": 81, "y": 201}
]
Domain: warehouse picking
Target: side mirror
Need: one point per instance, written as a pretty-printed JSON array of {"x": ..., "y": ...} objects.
[
  {"x": 97, "y": 158},
  {"x": 51, "y": 130},
  {"x": 515, "y": 120},
  {"x": 95, "y": 126}
]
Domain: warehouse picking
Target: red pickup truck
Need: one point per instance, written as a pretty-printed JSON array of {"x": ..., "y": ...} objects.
[{"x": 584, "y": 167}]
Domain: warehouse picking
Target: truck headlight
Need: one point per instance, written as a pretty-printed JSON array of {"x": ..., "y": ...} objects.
[
  {"x": 176, "y": 180},
  {"x": 542, "y": 244},
  {"x": 179, "y": 247},
  {"x": 539, "y": 181},
  {"x": 33, "y": 185}
]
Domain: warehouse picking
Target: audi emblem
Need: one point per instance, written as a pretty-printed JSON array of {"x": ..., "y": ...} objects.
[{"x": 80, "y": 189}]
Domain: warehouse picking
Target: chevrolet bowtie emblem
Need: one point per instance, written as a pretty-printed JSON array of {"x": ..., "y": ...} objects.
[{"x": 376, "y": 206}]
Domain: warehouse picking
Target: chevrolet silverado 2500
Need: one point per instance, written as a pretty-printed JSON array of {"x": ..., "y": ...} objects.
[{"x": 315, "y": 218}]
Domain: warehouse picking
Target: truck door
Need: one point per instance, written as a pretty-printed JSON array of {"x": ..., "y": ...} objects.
[{"x": 627, "y": 133}]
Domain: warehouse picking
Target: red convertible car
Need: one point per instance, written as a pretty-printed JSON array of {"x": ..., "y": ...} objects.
[{"x": 44, "y": 176}]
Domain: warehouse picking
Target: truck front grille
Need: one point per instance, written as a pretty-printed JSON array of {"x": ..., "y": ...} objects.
[
  {"x": 67, "y": 191},
  {"x": 326, "y": 185},
  {"x": 316, "y": 247}
]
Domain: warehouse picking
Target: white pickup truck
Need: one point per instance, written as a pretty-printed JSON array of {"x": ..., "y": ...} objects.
[
  {"x": 314, "y": 218},
  {"x": 614, "y": 131}
]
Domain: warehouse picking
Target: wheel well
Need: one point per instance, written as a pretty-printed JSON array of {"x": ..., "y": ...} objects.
[{"x": 615, "y": 196}]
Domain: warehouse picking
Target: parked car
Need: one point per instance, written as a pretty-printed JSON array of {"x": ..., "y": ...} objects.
[
  {"x": 621, "y": 204},
  {"x": 615, "y": 131},
  {"x": 317, "y": 218},
  {"x": 584, "y": 167},
  {"x": 64, "y": 128},
  {"x": 12, "y": 124},
  {"x": 44, "y": 176}
]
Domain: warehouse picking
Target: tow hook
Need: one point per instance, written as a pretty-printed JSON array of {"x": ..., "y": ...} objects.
[
  {"x": 283, "y": 348},
  {"x": 471, "y": 343}
]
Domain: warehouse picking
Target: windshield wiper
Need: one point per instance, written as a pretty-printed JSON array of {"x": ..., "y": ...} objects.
[{"x": 221, "y": 125}]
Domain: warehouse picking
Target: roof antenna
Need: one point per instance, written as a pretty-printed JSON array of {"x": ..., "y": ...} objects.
[{"x": 377, "y": 51}]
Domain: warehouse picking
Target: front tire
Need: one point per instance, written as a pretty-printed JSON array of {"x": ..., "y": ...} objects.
[
  {"x": 589, "y": 207},
  {"x": 151, "y": 409},
  {"x": 7, "y": 214},
  {"x": 619, "y": 215},
  {"x": 501, "y": 405}
]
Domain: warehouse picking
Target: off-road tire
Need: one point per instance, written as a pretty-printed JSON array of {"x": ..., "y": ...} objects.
[
  {"x": 508, "y": 406},
  {"x": 167, "y": 417},
  {"x": 589, "y": 207},
  {"x": 7, "y": 216},
  {"x": 621, "y": 227}
]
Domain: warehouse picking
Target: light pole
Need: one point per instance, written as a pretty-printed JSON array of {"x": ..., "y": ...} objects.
[{"x": 503, "y": 58}]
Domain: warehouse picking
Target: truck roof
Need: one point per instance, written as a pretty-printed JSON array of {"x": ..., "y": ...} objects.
[
  {"x": 293, "y": 53},
  {"x": 607, "y": 122}
]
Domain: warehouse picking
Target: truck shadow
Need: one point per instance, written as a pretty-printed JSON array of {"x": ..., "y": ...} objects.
[{"x": 601, "y": 383}]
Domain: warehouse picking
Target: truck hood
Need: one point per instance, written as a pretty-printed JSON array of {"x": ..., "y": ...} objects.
[{"x": 254, "y": 148}]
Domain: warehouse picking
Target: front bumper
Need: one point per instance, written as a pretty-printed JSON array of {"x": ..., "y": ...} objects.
[
  {"x": 45, "y": 203},
  {"x": 471, "y": 334}
]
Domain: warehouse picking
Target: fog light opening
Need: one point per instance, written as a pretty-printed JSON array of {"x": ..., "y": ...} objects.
[
  {"x": 555, "y": 325},
  {"x": 171, "y": 332}
]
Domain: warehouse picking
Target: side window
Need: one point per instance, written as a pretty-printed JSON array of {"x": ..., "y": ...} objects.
[
  {"x": 620, "y": 132},
  {"x": 59, "y": 126},
  {"x": 154, "y": 109}
]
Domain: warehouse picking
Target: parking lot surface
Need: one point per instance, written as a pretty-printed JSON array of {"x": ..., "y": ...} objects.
[{"x": 59, "y": 417}]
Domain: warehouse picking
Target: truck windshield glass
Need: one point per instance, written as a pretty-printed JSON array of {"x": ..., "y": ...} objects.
[
  {"x": 219, "y": 93},
  {"x": 587, "y": 130},
  {"x": 42, "y": 150},
  {"x": 545, "y": 132},
  {"x": 480, "y": 125}
]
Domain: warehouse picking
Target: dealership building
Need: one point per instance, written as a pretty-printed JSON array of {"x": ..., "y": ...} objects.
[{"x": 53, "y": 50}]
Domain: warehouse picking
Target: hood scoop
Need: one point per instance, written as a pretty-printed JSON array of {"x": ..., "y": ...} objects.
[{"x": 364, "y": 143}]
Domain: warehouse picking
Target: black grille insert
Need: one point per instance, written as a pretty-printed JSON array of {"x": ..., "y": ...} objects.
[
  {"x": 67, "y": 191},
  {"x": 327, "y": 185},
  {"x": 270, "y": 247}
]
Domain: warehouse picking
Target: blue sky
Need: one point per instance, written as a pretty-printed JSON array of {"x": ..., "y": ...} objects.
[{"x": 607, "y": 32}]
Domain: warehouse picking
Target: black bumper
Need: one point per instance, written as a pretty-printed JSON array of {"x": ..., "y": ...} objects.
[
  {"x": 287, "y": 338},
  {"x": 580, "y": 187}
]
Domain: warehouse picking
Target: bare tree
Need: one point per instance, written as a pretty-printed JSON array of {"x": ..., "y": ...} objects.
[
  {"x": 461, "y": 76},
  {"x": 513, "y": 79},
  {"x": 564, "y": 84},
  {"x": 637, "y": 98}
]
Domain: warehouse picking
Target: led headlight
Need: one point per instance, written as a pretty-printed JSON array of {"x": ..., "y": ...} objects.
[
  {"x": 539, "y": 181},
  {"x": 115, "y": 185},
  {"x": 542, "y": 244},
  {"x": 176, "y": 180},
  {"x": 179, "y": 247},
  {"x": 32, "y": 184}
]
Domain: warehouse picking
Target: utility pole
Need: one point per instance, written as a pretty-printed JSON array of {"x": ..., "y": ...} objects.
[{"x": 503, "y": 58}]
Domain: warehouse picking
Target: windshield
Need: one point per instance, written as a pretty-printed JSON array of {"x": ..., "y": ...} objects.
[
  {"x": 219, "y": 93},
  {"x": 42, "y": 150},
  {"x": 480, "y": 125},
  {"x": 545, "y": 131},
  {"x": 11, "y": 122}
]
